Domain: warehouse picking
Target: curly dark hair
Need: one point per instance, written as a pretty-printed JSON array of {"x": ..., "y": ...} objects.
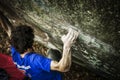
[{"x": 22, "y": 38}]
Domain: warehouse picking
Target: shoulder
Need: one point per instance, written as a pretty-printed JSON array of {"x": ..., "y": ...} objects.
[
  {"x": 38, "y": 58},
  {"x": 33, "y": 56}
]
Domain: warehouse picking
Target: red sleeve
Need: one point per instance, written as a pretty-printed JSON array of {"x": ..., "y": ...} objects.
[{"x": 6, "y": 63}]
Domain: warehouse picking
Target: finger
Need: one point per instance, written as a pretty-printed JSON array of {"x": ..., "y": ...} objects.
[
  {"x": 69, "y": 31},
  {"x": 63, "y": 37},
  {"x": 74, "y": 37},
  {"x": 76, "y": 33},
  {"x": 71, "y": 35}
]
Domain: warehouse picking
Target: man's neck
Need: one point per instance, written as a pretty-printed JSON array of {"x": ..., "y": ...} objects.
[
  {"x": 26, "y": 52},
  {"x": 22, "y": 55}
]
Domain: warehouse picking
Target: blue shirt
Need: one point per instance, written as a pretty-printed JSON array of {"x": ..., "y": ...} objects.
[{"x": 34, "y": 65}]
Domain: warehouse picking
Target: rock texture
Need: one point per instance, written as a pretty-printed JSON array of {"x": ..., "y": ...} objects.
[{"x": 98, "y": 21}]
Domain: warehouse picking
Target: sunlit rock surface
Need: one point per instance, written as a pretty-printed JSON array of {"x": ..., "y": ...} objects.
[{"x": 98, "y": 45}]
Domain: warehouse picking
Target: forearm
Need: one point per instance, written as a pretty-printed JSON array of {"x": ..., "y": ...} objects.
[{"x": 65, "y": 62}]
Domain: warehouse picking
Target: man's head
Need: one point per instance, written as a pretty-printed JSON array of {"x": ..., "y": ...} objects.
[{"x": 22, "y": 38}]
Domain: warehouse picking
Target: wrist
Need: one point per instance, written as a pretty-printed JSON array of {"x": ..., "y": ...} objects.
[{"x": 66, "y": 47}]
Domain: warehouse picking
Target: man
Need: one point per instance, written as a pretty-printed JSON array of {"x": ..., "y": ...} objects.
[{"x": 34, "y": 65}]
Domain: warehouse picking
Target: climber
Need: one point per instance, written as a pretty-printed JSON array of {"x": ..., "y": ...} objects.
[{"x": 34, "y": 65}]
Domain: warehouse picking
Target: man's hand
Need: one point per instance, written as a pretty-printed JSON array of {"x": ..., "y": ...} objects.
[{"x": 70, "y": 38}]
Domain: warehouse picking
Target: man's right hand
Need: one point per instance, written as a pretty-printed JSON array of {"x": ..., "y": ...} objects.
[{"x": 70, "y": 38}]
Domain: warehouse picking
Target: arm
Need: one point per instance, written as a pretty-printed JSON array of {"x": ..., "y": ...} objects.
[{"x": 64, "y": 64}]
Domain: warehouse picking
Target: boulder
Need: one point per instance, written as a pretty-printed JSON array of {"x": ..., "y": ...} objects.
[{"x": 98, "y": 45}]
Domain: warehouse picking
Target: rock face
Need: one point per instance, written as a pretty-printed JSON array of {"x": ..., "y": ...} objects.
[{"x": 98, "y": 45}]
